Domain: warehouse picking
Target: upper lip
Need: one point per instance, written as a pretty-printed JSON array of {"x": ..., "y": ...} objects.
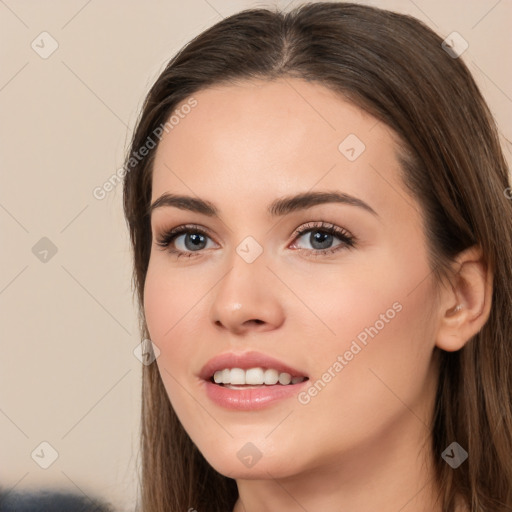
[{"x": 246, "y": 360}]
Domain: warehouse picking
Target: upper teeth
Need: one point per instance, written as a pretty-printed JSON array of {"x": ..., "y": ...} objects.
[{"x": 254, "y": 376}]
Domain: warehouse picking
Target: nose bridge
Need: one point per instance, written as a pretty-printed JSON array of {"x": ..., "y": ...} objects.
[{"x": 244, "y": 294}]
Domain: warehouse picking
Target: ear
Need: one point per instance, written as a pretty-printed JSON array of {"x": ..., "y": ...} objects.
[{"x": 471, "y": 290}]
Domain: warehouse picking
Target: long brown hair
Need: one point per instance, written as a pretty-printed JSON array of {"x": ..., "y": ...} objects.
[{"x": 394, "y": 67}]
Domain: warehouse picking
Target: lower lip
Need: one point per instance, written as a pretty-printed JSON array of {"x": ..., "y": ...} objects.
[{"x": 251, "y": 398}]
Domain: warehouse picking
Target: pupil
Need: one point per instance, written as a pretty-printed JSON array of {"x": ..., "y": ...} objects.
[{"x": 318, "y": 236}]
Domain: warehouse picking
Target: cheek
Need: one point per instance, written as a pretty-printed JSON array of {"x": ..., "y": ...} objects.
[
  {"x": 384, "y": 289},
  {"x": 169, "y": 311},
  {"x": 157, "y": 304},
  {"x": 170, "y": 301},
  {"x": 380, "y": 356}
]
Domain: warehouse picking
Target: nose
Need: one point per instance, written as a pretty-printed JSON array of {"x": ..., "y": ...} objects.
[{"x": 247, "y": 298}]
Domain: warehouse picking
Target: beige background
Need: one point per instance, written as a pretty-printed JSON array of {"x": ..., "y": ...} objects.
[{"x": 68, "y": 373}]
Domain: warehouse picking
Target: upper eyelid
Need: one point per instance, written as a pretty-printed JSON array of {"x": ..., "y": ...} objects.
[{"x": 318, "y": 224}]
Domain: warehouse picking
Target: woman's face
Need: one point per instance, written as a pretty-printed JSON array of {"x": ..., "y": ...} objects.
[{"x": 349, "y": 310}]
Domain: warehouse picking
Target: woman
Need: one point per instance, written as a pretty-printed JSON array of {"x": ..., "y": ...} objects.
[{"x": 321, "y": 223}]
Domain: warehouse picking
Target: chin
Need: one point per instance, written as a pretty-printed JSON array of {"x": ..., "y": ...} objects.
[{"x": 246, "y": 462}]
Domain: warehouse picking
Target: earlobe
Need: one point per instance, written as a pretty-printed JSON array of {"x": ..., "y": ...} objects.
[{"x": 465, "y": 309}]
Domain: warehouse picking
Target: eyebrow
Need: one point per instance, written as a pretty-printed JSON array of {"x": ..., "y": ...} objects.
[{"x": 279, "y": 207}]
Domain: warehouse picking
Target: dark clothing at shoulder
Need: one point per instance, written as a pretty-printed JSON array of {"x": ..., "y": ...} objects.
[{"x": 47, "y": 501}]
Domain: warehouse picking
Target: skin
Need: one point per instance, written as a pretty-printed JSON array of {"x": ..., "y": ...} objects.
[{"x": 362, "y": 442}]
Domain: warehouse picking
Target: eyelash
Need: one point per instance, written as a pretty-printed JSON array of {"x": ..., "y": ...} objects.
[{"x": 348, "y": 241}]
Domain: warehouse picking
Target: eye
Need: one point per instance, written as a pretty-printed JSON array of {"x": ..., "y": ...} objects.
[
  {"x": 194, "y": 239},
  {"x": 321, "y": 236}
]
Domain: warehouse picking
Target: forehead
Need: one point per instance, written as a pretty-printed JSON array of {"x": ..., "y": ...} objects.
[{"x": 258, "y": 140}]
